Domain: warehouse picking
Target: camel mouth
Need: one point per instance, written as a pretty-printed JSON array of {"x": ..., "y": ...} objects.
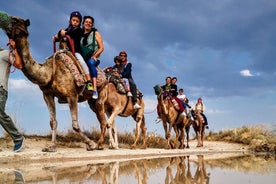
[{"x": 13, "y": 26}]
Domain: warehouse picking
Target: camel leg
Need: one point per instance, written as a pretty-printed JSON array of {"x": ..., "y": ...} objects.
[
  {"x": 49, "y": 99},
  {"x": 73, "y": 105},
  {"x": 167, "y": 136},
  {"x": 181, "y": 137},
  {"x": 144, "y": 133},
  {"x": 187, "y": 129},
  {"x": 113, "y": 137},
  {"x": 101, "y": 117},
  {"x": 137, "y": 134}
]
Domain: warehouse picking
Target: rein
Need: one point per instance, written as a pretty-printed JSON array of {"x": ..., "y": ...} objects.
[{"x": 11, "y": 55}]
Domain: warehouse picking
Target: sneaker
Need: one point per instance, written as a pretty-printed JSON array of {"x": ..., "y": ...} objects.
[
  {"x": 19, "y": 146},
  {"x": 157, "y": 120},
  {"x": 129, "y": 94},
  {"x": 183, "y": 113},
  {"x": 18, "y": 177},
  {"x": 95, "y": 95},
  {"x": 89, "y": 86},
  {"x": 137, "y": 106}
]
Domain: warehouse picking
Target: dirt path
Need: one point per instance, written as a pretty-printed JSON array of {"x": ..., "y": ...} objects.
[{"x": 32, "y": 152}]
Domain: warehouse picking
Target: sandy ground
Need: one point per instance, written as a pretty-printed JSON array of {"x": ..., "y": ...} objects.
[
  {"x": 32, "y": 152},
  {"x": 74, "y": 163}
]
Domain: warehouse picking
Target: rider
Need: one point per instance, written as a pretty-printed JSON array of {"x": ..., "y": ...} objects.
[
  {"x": 199, "y": 107},
  {"x": 126, "y": 73},
  {"x": 174, "y": 94},
  {"x": 75, "y": 32},
  {"x": 118, "y": 68}
]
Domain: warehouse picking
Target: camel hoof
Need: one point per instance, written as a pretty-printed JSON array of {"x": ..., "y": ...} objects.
[
  {"x": 76, "y": 126},
  {"x": 49, "y": 149},
  {"x": 144, "y": 146},
  {"x": 100, "y": 148},
  {"x": 133, "y": 147},
  {"x": 90, "y": 146}
]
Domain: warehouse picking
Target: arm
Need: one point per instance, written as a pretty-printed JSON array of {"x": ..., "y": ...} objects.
[
  {"x": 126, "y": 73},
  {"x": 17, "y": 62},
  {"x": 99, "y": 40}
]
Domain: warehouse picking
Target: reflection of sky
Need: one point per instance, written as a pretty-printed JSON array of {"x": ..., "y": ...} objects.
[{"x": 217, "y": 50}]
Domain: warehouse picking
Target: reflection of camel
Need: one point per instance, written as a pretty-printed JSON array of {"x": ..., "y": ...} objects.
[
  {"x": 200, "y": 175},
  {"x": 199, "y": 129},
  {"x": 52, "y": 77},
  {"x": 141, "y": 174},
  {"x": 112, "y": 103},
  {"x": 170, "y": 115},
  {"x": 183, "y": 173}
]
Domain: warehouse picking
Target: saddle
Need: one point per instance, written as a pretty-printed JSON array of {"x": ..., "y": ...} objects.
[
  {"x": 70, "y": 61},
  {"x": 118, "y": 82}
]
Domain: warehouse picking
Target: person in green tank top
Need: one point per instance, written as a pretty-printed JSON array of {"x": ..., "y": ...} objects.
[{"x": 92, "y": 39}]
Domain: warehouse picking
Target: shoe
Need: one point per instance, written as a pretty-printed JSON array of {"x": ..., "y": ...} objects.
[
  {"x": 129, "y": 94},
  {"x": 89, "y": 86},
  {"x": 18, "y": 177},
  {"x": 137, "y": 106},
  {"x": 19, "y": 146},
  {"x": 157, "y": 120},
  {"x": 184, "y": 113},
  {"x": 95, "y": 95}
]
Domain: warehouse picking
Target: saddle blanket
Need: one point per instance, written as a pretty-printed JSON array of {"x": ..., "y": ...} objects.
[{"x": 69, "y": 63}]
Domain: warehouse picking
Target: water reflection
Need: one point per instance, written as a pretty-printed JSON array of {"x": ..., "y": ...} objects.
[{"x": 197, "y": 169}]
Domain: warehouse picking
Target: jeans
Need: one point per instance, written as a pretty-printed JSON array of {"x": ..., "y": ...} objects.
[
  {"x": 92, "y": 64},
  {"x": 5, "y": 120}
]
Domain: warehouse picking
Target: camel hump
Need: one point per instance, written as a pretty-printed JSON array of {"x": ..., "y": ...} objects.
[{"x": 73, "y": 66}]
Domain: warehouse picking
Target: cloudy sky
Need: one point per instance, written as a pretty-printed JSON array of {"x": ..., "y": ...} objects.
[{"x": 220, "y": 50}]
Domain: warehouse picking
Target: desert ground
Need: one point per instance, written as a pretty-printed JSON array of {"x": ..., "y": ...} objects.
[
  {"x": 31, "y": 152},
  {"x": 75, "y": 163}
]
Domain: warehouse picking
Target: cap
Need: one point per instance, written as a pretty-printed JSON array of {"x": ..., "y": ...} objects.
[{"x": 76, "y": 14}]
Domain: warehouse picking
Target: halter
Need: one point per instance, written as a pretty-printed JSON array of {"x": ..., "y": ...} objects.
[{"x": 11, "y": 55}]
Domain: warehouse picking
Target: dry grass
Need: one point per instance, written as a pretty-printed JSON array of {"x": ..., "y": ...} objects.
[{"x": 256, "y": 137}]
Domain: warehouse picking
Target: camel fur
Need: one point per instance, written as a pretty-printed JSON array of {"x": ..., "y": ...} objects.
[
  {"x": 112, "y": 103},
  {"x": 53, "y": 78},
  {"x": 170, "y": 116}
]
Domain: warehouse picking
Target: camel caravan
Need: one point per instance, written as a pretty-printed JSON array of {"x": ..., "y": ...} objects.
[{"x": 62, "y": 77}]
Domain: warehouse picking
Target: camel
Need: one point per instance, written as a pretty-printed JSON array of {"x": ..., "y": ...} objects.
[
  {"x": 53, "y": 77},
  {"x": 112, "y": 103},
  {"x": 175, "y": 120},
  {"x": 199, "y": 127}
]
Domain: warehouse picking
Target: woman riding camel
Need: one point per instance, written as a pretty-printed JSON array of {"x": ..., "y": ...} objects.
[{"x": 93, "y": 40}]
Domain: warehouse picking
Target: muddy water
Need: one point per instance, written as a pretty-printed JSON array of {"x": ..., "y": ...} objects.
[{"x": 186, "y": 169}]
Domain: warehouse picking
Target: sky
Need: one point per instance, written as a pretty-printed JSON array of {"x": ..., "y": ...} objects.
[{"x": 220, "y": 50}]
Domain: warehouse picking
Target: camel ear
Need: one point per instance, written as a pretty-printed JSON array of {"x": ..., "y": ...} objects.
[{"x": 27, "y": 22}]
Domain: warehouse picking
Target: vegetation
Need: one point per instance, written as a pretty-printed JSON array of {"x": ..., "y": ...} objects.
[{"x": 256, "y": 137}]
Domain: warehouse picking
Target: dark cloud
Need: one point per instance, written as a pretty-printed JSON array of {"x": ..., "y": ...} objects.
[{"x": 204, "y": 44}]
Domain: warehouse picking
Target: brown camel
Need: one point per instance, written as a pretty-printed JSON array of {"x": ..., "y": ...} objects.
[
  {"x": 53, "y": 78},
  {"x": 112, "y": 104},
  {"x": 169, "y": 115},
  {"x": 199, "y": 127}
]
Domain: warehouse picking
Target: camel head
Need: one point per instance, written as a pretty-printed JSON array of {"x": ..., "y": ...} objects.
[{"x": 14, "y": 27}]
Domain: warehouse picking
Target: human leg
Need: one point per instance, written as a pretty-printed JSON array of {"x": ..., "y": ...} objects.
[
  {"x": 6, "y": 121},
  {"x": 85, "y": 70},
  {"x": 133, "y": 90},
  {"x": 92, "y": 64},
  {"x": 127, "y": 86}
]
